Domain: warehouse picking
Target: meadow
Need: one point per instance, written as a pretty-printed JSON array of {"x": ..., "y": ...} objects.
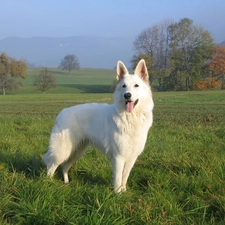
[{"x": 179, "y": 178}]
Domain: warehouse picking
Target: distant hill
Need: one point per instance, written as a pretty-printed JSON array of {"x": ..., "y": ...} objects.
[
  {"x": 93, "y": 52},
  {"x": 222, "y": 43}
]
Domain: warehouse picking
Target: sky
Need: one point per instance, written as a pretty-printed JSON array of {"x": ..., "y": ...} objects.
[{"x": 105, "y": 18}]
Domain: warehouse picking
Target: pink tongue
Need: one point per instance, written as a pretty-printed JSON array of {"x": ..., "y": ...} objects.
[{"x": 129, "y": 106}]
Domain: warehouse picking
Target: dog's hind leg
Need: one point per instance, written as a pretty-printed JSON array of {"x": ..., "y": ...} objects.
[
  {"x": 76, "y": 154},
  {"x": 65, "y": 168}
]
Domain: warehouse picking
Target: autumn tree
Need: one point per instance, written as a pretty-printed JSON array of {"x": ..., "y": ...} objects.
[
  {"x": 10, "y": 69},
  {"x": 217, "y": 65},
  {"x": 69, "y": 62},
  {"x": 190, "y": 47},
  {"x": 44, "y": 80}
]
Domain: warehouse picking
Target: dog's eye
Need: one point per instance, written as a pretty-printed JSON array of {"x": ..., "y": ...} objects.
[
  {"x": 124, "y": 86},
  {"x": 136, "y": 85}
]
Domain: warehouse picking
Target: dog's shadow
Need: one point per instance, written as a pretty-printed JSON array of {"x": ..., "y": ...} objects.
[
  {"x": 33, "y": 167},
  {"x": 30, "y": 166},
  {"x": 88, "y": 177}
]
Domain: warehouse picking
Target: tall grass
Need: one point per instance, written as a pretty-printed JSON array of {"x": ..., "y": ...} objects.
[{"x": 179, "y": 178}]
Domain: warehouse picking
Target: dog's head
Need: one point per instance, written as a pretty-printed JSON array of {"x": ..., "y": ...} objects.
[{"x": 131, "y": 89}]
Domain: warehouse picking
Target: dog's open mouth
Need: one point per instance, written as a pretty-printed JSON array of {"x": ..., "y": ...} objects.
[{"x": 130, "y": 105}]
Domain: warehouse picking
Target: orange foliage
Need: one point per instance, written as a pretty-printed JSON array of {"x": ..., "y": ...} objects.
[
  {"x": 217, "y": 64},
  {"x": 207, "y": 84}
]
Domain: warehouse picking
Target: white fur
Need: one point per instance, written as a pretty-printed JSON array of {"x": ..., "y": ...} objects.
[{"x": 119, "y": 134}]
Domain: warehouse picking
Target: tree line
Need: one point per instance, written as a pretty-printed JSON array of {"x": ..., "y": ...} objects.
[{"x": 179, "y": 56}]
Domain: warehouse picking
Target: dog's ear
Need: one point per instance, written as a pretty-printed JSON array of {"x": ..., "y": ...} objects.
[
  {"x": 141, "y": 70},
  {"x": 121, "y": 71}
]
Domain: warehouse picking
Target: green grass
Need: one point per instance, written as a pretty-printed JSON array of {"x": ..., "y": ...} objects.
[
  {"x": 179, "y": 178},
  {"x": 79, "y": 81}
]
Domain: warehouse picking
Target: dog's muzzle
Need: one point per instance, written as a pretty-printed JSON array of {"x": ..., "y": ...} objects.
[{"x": 129, "y": 104}]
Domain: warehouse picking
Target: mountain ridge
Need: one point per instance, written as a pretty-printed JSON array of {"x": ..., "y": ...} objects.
[{"x": 92, "y": 51}]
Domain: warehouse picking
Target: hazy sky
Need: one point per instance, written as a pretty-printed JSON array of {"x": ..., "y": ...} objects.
[{"x": 127, "y": 18}]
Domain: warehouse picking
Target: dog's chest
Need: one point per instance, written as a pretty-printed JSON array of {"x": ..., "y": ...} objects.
[{"x": 132, "y": 125}]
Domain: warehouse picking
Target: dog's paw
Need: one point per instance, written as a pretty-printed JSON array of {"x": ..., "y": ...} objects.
[{"x": 120, "y": 190}]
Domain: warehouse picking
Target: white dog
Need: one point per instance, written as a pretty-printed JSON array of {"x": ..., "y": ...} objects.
[{"x": 118, "y": 130}]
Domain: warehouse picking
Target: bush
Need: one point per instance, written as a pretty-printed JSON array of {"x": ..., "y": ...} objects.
[{"x": 207, "y": 84}]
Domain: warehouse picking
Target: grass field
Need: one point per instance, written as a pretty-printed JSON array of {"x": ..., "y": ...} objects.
[
  {"x": 80, "y": 81},
  {"x": 179, "y": 178}
]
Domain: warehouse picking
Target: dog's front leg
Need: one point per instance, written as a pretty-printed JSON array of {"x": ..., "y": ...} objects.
[
  {"x": 126, "y": 171},
  {"x": 118, "y": 166}
]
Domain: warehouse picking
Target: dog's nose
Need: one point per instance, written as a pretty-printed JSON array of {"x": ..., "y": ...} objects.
[{"x": 127, "y": 95}]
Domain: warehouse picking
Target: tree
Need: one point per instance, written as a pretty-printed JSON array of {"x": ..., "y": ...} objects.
[
  {"x": 44, "y": 80},
  {"x": 217, "y": 65},
  {"x": 70, "y": 62},
  {"x": 190, "y": 47},
  {"x": 154, "y": 41},
  {"x": 10, "y": 69},
  {"x": 178, "y": 51}
]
